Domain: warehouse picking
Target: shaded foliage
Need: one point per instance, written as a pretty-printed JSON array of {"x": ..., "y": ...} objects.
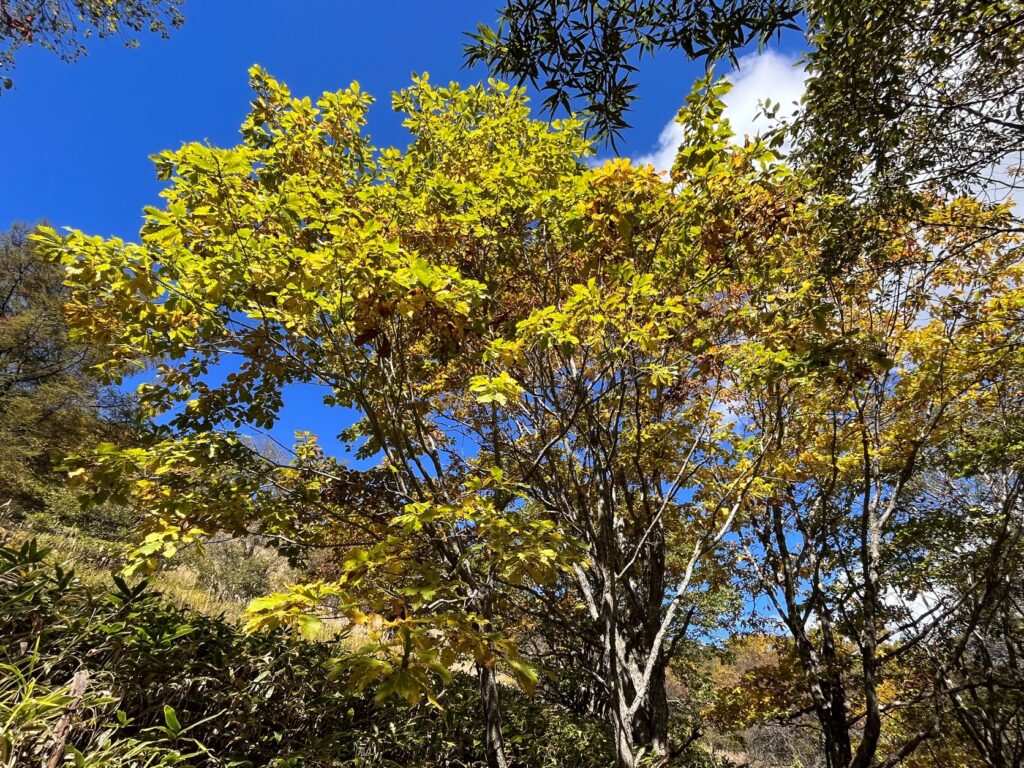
[
  {"x": 50, "y": 403},
  {"x": 584, "y": 53},
  {"x": 265, "y": 699}
]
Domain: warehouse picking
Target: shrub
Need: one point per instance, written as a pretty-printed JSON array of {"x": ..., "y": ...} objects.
[{"x": 268, "y": 699}]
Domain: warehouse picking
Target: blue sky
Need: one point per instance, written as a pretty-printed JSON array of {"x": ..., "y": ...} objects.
[{"x": 76, "y": 137}]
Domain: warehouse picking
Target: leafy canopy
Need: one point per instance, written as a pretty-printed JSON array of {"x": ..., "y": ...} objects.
[
  {"x": 571, "y": 393},
  {"x": 64, "y": 27},
  {"x": 586, "y": 52},
  {"x": 412, "y": 287}
]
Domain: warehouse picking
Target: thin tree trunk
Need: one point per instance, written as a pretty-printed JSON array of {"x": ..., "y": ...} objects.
[
  {"x": 655, "y": 707},
  {"x": 832, "y": 718},
  {"x": 494, "y": 740},
  {"x": 621, "y": 685},
  {"x": 657, "y": 715},
  {"x": 869, "y": 554}
]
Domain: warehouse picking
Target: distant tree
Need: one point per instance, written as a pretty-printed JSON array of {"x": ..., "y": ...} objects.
[
  {"x": 979, "y": 650},
  {"x": 50, "y": 403},
  {"x": 64, "y": 26},
  {"x": 970, "y": 560}
]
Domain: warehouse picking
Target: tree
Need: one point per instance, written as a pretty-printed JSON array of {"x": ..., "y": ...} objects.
[
  {"x": 908, "y": 352},
  {"x": 50, "y": 404},
  {"x": 314, "y": 259},
  {"x": 899, "y": 94},
  {"x": 537, "y": 353},
  {"x": 909, "y": 106},
  {"x": 63, "y": 27},
  {"x": 627, "y": 370},
  {"x": 573, "y": 394}
]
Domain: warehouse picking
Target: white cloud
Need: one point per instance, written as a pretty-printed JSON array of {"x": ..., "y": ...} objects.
[
  {"x": 768, "y": 75},
  {"x": 668, "y": 142}
]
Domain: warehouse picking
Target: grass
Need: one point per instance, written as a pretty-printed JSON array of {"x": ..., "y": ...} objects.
[
  {"x": 95, "y": 561},
  {"x": 195, "y": 580}
]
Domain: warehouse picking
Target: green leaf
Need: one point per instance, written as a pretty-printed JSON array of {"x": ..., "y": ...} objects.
[{"x": 172, "y": 720}]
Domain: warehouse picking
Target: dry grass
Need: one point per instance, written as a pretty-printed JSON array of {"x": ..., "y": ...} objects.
[{"x": 95, "y": 561}]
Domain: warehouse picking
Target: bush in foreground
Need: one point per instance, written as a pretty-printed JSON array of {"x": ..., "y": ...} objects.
[{"x": 122, "y": 678}]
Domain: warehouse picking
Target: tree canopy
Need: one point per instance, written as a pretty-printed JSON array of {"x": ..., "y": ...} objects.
[
  {"x": 708, "y": 466},
  {"x": 898, "y": 93},
  {"x": 64, "y": 27},
  {"x": 51, "y": 404},
  {"x": 571, "y": 394}
]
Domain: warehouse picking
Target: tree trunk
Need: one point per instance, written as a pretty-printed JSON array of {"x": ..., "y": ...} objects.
[
  {"x": 654, "y": 711},
  {"x": 650, "y": 726},
  {"x": 832, "y": 714},
  {"x": 832, "y": 718},
  {"x": 494, "y": 741},
  {"x": 625, "y": 757}
]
